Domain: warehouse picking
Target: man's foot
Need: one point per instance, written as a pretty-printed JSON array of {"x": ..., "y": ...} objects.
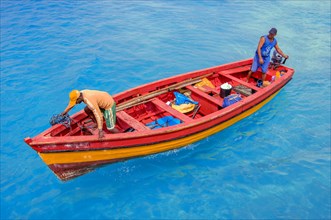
[{"x": 266, "y": 83}]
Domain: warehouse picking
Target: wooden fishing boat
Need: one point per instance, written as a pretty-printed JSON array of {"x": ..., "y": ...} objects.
[{"x": 75, "y": 150}]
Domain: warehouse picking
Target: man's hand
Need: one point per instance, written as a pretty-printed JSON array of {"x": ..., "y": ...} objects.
[
  {"x": 261, "y": 61},
  {"x": 286, "y": 56},
  {"x": 101, "y": 134}
]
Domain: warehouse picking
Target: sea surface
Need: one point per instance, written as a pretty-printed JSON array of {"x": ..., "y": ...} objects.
[{"x": 274, "y": 164}]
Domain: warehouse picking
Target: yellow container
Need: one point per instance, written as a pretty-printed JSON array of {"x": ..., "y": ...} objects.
[{"x": 277, "y": 74}]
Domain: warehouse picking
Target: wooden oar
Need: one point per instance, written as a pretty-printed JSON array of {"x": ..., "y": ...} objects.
[{"x": 144, "y": 98}]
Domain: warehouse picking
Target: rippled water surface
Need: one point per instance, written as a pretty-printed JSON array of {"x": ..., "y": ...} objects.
[{"x": 273, "y": 164}]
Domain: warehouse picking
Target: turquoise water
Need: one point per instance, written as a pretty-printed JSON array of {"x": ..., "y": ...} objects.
[{"x": 273, "y": 164}]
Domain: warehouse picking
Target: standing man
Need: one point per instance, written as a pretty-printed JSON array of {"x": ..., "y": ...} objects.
[
  {"x": 262, "y": 54},
  {"x": 99, "y": 105}
]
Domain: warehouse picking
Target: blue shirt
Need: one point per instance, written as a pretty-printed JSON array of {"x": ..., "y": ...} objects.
[{"x": 267, "y": 47}]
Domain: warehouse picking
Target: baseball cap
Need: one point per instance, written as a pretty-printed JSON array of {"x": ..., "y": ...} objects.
[
  {"x": 73, "y": 96},
  {"x": 273, "y": 31}
]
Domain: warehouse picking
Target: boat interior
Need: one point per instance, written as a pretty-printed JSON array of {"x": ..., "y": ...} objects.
[{"x": 136, "y": 118}]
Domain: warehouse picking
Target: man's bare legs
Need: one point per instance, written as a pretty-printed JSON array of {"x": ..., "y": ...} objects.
[
  {"x": 90, "y": 114},
  {"x": 249, "y": 75},
  {"x": 263, "y": 77}
]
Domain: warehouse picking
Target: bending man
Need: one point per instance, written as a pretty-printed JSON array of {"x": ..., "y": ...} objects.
[{"x": 99, "y": 105}]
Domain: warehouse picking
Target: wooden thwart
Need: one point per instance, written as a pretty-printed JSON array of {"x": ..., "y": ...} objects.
[
  {"x": 172, "y": 111},
  {"x": 138, "y": 126},
  {"x": 243, "y": 82},
  {"x": 204, "y": 95}
]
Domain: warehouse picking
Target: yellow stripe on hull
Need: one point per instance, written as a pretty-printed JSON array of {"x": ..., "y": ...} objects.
[{"x": 123, "y": 153}]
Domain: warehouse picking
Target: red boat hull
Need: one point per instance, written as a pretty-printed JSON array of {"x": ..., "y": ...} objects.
[{"x": 71, "y": 155}]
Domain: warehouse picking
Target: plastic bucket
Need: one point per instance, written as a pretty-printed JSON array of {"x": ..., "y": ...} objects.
[{"x": 225, "y": 92}]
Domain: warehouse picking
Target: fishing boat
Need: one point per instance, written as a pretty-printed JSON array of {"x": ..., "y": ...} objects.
[{"x": 70, "y": 151}]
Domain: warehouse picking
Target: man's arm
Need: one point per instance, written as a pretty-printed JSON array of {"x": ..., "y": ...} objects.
[
  {"x": 259, "y": 46},
  {"x": 66, "y": 110},
  {"x": 280, "y": 51}
]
